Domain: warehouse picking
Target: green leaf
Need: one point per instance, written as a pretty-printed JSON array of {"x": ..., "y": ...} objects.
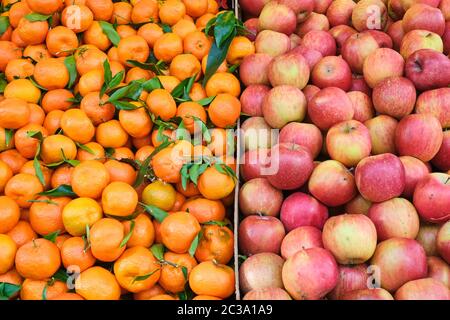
[
  {"x": 185, "y": 175},
  {"x": 63, "y": 190},
  {"x": 183, "y": 87},
  {"x": 35, "y": 134},
  {"x": 116, "y": 80},
  {"x": 61, "y": 275},
  {"x": 152, "y": 84},
  {"x": 128, "y": 236},
  {"x": 69, "y": 62},
  {"x": 109, "y": 152},
  {"x": 9, "y": 133},
  {"x": 44, "y": 292},
  {"x": 220, "y": 168},
  {"x": 165, "y": 27},
  {"x": 110, "y": 32},
  {"x": 87, "y": 238},
  {"x": 185, "y": 272},
  {"x": 37, "y": 166},
  {"x": 224, "y": 27},
  {"x": 145, "y": 277},
  {"x": 3, "y": 82},
  {"x": 4, "y": 24},
  {"x": 194, "y": 244},
  {"x": 205, "y": 131},
  {"x": 156, "y": 67},
  {"x": 216, "y": 56},
  {"x": 158, "y": 251},
  {"x": 205, "y": 101},
  {"x": 72, "y": 162},
  {"x": 155, "y": 212},
  {"x": 85, "y": 148},
  {"x": 47, "y": 201},
  {"x": 217, "y": 223},
  {"x": 209, "y": 26},
  {"x": 124, "y": 105},
  {"x": 123, "y": 218},
  {"x": 52, "y": 236},
  {"x": 194, "y": 175},
  {"x": 182, "y": 133},
  {"x": 37, "y": 85},
  {"x": 107, "y": 74},
  {"x": 37, "y": 17},
  {"x": 7, "y": 290}
]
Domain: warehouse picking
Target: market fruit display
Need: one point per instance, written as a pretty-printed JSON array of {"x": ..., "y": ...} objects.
[
  {"x": 117, "y": 171},
  {"x": 355, "y": 95}
]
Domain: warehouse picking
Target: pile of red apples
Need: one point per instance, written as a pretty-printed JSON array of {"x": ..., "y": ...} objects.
[{"x": 346, "y": 170}]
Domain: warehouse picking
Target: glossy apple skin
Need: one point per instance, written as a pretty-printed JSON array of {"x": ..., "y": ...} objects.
[
  {"x": 446, "y": 38},
  {"x": 303, "y": 134},
  {"x": 395, "y": 97},
  {"x": 423, "y": 289},
  {"x": 340, "y": 12},
  {"x": 256, "y": 133},
  {"x": 311, "y": 56},
  {"x": 277, "y": 17},
  {"x": 350, "y": 278},
  {"x": 300, "y": 209},
  {"x": 252, "y": 26},
  {"x": 253, "y": 7},
  {"x": 427, "y": 238},
  {"x": 301, "y": 238},
  {"x": 267, "y": 294},
  {"x": 359, "y": 84},
  {"x": 382, "y": 134},
  {"x": 260, "y": 234},
  {"x": 357, "y": 48},
  {"x": 394, "y": 218},
  {"x": 396, "y": 32},
  {"x": 367, "y": 294},
  {"x": 427, "y": 69},
  {"x": 442, "y": 159},
  {"x": 314, "y": 21},
  {"x": 348, "y": 142},
  {"x": 399, "y": 260},
  {"x": 420, "y": 39},
  {"x": 310, "y": 274},
  {"x": 419, "y": 135},
  {"x": 330, "y": 106},
  {"x": 258, "y": 196},
  {"x": 252, "y": 99},
  {"x": 380, "y": 178},
  {"x": 272, "y": 43},
  {"x": 254, "y": 69},
  {"x": 340, "y": 34},
  {"x": 439, "y": 270},
  {"x": 332, "y": 71},
  {"x": 289, "y": 69},
  {"x": 424, "y": 17},
  {"x": 358, "y": 205},
  {"x": 351, "y": 238},
  {"x": 253, "y": 162},
  {"x": 362, "y": 14},
  {"x": 436, "y": 102},
  {"x": 321, "y": 41},
  {"x": 383, "y": 39},
  {"x": 261, "y": 270},
  {"x": 362, "y": 106},
  {"x": 415, "y": 170},
  {"x": 443, "y": 241},
  {"x": 332, "y": 184},
  {"x": 381, "y": 64}
]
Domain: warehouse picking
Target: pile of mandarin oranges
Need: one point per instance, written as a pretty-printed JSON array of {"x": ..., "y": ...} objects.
[{"x": 117, "y": 170}]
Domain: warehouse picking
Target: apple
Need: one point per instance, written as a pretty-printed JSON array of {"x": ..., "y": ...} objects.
[
  {"x": 302, "y": 8},
  {"x": 277, "y": 17},
  {"x": 444, "y": 5},
  {"x": 340, "y": 34},
  {"x": 340, "y": 12},
  {"x": 260, "y": 271},
  {"x": 446, "y": 38},
  {"x": 351, "y": 238},
  {"x": 439, "y": 270},
  {"x": 256, "y": 133},
  {"x": 426, "y": 67},
  {"x": 380, "y": 178},
  {"x": 423, "y": 289},
  {"x": 311, "y": 56},
  {"x": 252, "y": 27},
  {"x": 321, "y": 6},
  {"x": 289, "y": 69},
  {"x": 399, "y": 260},
  {"x": 252, "y": 99},
  {"x": 272, "y": 43},
  {"x": 321, "y": 41},
  {"x": 436, "y": 102},
  {"x": 362, "y": 106},
  {"x": 301, "y": 238},
  {"x": 369, "y": 14},
  {"x": 332, "y": 184},
  {"x": 352, "y": 277},
  {"x": 254, "y": 69},
  {"x": 253, "y": 162},
  {"x": 358, "y": 205},
  {"x": 284, "y": 104},
  {"x": 314, "y": 21},
  {"x": 310, "y": 274},
  {"x": 381, "y": 64},
  {"x": 332, "y": 71},
  {"x": 260, "y": 234},
  {"x": 295, "y": 40},
  {"x": 396, "y": 32},
  {"x": 415, "y": 170},
  {"x": 330, "y": 106},
  {"x": 360, "y": 84},
  {"x": 399, "y": 7},
  {"x": 396, "y": 217},
  {"x": 348, "y": 142},
  {"x": 367, "y": 294},
  {"x": 300, "y": 209},
  {"x": 267, "y": 294},
  {"x": 382, "y": 134},
  {"x": 442, "y": 159},
  {"x": 419, "y": 135},
  {"x": 253, "y": 7},
  {"x": 304, "y": 134},
  {"x": 383, "y": 39},
  {"x": 291, "y": 166},
  {"x": 309, "y": 91},
  {"x": 258, "y": 196},
  {"x": 427, "y": 238},
  {"x": 424, "y": 17},
  {"x": 420, "y": 39},
  {"x": 357, "y": 48},
  {"x": 443, "y": 241},
  {"x": 395, "y": 97}
]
